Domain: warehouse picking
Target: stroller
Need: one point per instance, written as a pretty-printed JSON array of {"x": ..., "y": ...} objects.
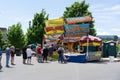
[
  {"x": 40, "y": 59},
  {"x": 65, "y": 59}
]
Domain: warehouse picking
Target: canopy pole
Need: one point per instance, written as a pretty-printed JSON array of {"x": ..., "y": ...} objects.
[{"x": 87, "y": 46}]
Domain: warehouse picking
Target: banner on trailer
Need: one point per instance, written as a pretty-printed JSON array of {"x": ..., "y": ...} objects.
[
  {"x": 54, "y": 26},
  {"x": 77, "y": 30},
  {"x": 75, "y": 20},
  {"x": 54, "y": 30},
  {"x": 54, "y": 22}
]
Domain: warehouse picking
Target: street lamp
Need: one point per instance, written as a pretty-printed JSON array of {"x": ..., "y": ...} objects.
[{"x": 29, "y": 23}]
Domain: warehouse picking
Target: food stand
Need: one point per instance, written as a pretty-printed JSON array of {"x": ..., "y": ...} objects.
[
  {"x": 90, "y": 50},
  {"x": 92, "y": 47},
  {"x": 73, "y": 30}
]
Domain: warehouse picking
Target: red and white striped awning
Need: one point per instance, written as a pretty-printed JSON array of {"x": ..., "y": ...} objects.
[{"x": 90, "y": 38}]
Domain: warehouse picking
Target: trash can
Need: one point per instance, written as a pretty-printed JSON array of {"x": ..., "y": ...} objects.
[
  {"x": 111, "y": 58},
  {"x": 18, "y": 52}
]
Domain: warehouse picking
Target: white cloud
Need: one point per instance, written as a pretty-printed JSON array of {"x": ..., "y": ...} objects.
[
  {"x": 106, "y": 19},
  {"x": 103, "y": 33},
  {"x": 113, "y": 8},
  {"x": 103, "y": 10},
  {"x": 115, "y": 30},
  {"x": 22, "y": 19},
  {"x": 108, "y": 31}
]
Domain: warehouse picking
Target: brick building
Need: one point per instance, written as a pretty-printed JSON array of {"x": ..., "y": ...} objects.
[{"x": 4, "y": 32}]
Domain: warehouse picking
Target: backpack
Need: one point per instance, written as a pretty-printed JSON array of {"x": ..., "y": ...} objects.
[{"x": 60, "y": 51}]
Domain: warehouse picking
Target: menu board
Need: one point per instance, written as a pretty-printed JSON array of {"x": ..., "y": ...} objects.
[
  {"x": 75, "y": 20},
  {"x": 76, "y": 30}
]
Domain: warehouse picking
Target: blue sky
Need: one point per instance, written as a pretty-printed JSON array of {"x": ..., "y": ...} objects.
[{"x": 106, "y": 13}]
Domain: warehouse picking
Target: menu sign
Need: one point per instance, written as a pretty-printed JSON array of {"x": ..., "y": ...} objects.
[
  {"x": 75, "y": 20},
  {"x": 77, "y": 30}
]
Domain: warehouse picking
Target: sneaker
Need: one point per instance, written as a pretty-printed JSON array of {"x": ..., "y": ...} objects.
[
  {"x": 7, "y": 66},
  {"x": 13, "y": 64},
  {"x": 24, "y": 63},
  {"x": 0, "y": 67}
]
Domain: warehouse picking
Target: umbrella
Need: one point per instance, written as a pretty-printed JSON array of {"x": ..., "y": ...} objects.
[
  {"x": 90, "y": 38},
  {"x": 32, "y": 45}
]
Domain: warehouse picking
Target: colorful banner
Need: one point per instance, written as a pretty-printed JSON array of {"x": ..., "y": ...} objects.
[
  {"x": 75, "y": 20},
  {"x": 54, "y": 26},
  {"x": 54, "y": 22},
  {"x": 50, "y": 37},
  {"x": 54, "y": 30},
  {"x": 77, "y": 30}
]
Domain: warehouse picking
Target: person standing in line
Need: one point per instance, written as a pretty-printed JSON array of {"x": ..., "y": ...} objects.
[
  {"x": 45, "y": 53},
  {"x": 29, "y": 52},
  {"x": 7, "y": 56},
  {"x": 39, "y": 53},
  {"x": 12, "y": 54},
  {"x": 0, "y": 58},
  {"x": 24, "y": 54},
  {"x": 61, "y": 54},
  {"x": 51, "y": 49}
]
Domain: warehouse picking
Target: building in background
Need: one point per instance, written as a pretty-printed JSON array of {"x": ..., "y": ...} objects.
[{"x": 4, "y": 32}]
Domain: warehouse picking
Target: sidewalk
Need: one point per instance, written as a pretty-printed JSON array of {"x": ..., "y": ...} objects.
[{"x": 108, "y": 59}]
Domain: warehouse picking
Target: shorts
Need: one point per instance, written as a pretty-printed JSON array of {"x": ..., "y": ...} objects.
[{"x": 29, "y": 57}]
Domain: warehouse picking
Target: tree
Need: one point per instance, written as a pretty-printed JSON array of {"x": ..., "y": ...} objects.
[
  {"x": 15, "y": 35},
  {"x": 1, "y": 36},
  {"x": 35, "y": 32},
  {"x": 79, "y": 10}
]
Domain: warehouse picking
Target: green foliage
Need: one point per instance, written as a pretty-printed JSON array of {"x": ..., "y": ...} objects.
[
  {"x": 5, "y": 44},
  {"x": 78, "y": 9},
  {"x": 118, "y": 47},
  {"x": 15, "y": 35},
  {"x": 36, "y": 31},
  {"x": 1, "y": 36}
]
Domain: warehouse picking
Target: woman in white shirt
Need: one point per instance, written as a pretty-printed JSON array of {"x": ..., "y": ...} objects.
[{"x": 29, "y": 52}]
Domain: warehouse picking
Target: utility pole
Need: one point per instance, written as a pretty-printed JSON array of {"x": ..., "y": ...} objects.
[{"x": 29, "y": 23}]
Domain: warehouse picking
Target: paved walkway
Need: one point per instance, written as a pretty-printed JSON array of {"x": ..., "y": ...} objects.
[{"x": 56, "y": 71}]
